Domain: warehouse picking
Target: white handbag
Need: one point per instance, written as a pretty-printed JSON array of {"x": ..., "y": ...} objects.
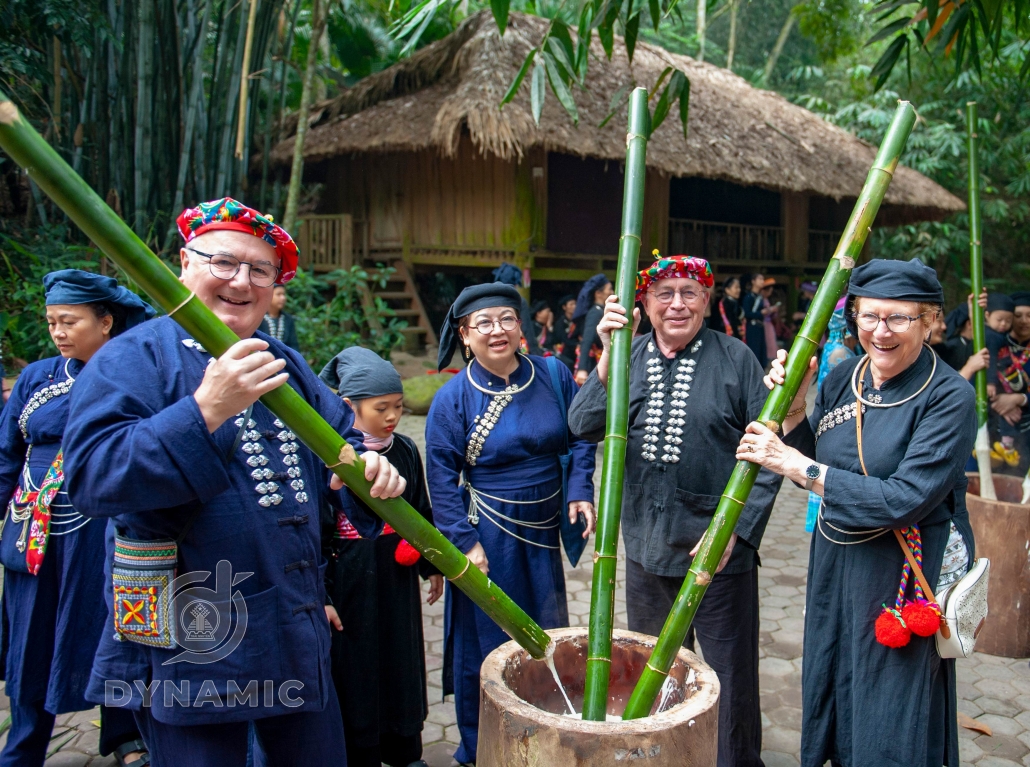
[{"x": 964, "y": 607}]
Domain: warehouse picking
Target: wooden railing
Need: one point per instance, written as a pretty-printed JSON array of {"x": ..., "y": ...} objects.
[
  {"x": 326, "y": 242},
  {"x": 821, "y": 244},
  {"x": 716, "y": 241}
]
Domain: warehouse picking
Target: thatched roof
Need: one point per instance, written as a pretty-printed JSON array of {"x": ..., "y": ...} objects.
[{"x": 737, "y": 132}]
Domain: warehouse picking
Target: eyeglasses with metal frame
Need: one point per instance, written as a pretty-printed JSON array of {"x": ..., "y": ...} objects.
[
  {"x": 896, "y": 323},
  {"x": 225, "y": 266},
  {"x": 508, "y": 323}
]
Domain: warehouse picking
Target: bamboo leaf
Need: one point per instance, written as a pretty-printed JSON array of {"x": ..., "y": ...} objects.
[
  {"x": 584, "y": 33},
  {"x": 560, "y": 32},
  {"x": 669, "y": 96},
  {"x": 538, "y": 90},
  {"x": 956, "y": 23},
  {"x": 514, "y": 87},
  {"x": 500, "y": 11},
  {"x": 654, "y": 6},
  {"x": 931, "y": 11},
  {"x": 632, "y": 29},
  {"x": 557, "y": 50},
  {"x": 885, "y": 65},
  {"x": 618, "y": 100},
  {"x": 685, "y": 103},
  {"x": 890, "y": 29},
  {"x": 606, "y": 34},
  {"x": 658, "y": 83},
  {"x": 561, "y": 90}
]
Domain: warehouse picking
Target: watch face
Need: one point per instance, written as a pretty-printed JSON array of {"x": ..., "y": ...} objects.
[{"x": 812, "y": 472}]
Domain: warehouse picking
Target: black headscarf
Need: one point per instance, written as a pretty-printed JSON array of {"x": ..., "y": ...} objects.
[
  {"x": 509, "y": 274},
  {"x": 360, "y": 373},
  {"x": 999, "y": 302},
  {"x": 75, "y": 286},
  {"x": 956, "y": 320},
  {"x": 893, "y": 280},
  {"x": 585, "y": 300},
  {"x": 537, "y": 307},
  {"x": 1021, "y": 298},
  {"x": 472, "y": 299}
]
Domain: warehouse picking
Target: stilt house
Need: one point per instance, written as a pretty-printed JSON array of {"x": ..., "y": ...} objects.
[{"x": 420, "y": 168}]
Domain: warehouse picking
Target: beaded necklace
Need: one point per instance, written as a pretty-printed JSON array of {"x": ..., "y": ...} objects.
[
  {"x": 43, "y": 396},
  {"x": 486, "y": 422}
]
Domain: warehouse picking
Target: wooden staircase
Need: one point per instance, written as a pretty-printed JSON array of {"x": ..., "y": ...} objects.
[{"x": 401, "y": 295}]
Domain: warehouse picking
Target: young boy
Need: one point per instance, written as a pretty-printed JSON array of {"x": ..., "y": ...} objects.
[{"x": 378, "y": 656}]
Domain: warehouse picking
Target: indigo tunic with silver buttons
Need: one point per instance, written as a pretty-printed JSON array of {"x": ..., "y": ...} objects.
[
  {"x": 686, "y": 417},
  {"x": 137, "y": 449},
  {"x": 52, "y": 621},
  {"x": 512, "y": 465}
]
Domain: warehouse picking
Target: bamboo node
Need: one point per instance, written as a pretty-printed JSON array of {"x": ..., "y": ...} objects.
[
  {"x": 631, "y": 136},
  {"x": 598, "y": 555},
  {"x": 465, "y": 570},
  {"x": 731, "y": 498},
  {"x": 8, "y": 113},
  {"x": 599, "y": 659},
  {"x": 347, "y": 456},
  {"x": 614, "y": 436},
  {"x": 846, "y": 262},
  {"x": 189, "y": 298},
  {"x": 657, "y": 671},
  {"x": 629, "y": 234},
  {"x": 703, "y": 578},
  {"x": 772, "y": 426}
]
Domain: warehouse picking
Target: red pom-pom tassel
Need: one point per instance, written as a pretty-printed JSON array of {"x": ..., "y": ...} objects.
[
  {"x": 406, "y": 554},
  {"x": 922, "y": 617},
  {"x": 891, "y": 630}
]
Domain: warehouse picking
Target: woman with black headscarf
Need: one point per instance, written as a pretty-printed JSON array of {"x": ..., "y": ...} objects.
[
  {"x": 589, "y": 310},
  {"x": 53, "y": 557},
  {"x": 378, "y": 656},
  {"x": 885, "y": 447},
  {"x": 497, "y": 440}
]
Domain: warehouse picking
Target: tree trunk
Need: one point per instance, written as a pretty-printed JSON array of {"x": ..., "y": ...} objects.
[
  {"x": 318, "y": 19},
  {"x": 248, "y": 46},
  {"x": 702, "y": 9},
  {"x": 770, "y": 64},
  {"x": 732, "y": 44},
  {"x": 144, "y": 113}
]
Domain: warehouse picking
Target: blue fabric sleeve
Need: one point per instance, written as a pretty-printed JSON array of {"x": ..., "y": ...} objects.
[
  {"x": 584, "y": 452},
  {"x": 942, "y": 441},
  {"x": 154, "y": 456},
  {"x": 12, "y": 445},
  {"x": 445, "y": 459}
]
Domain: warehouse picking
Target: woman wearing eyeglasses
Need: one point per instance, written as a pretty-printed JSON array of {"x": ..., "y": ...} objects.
[
  {"x": 885, "y": 447},
  {"x": 493, "y": 440}
]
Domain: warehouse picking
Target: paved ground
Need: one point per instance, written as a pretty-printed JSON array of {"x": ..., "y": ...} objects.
[{"x": 995, "y": 691}]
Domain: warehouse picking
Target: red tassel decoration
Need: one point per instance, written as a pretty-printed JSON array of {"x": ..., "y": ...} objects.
[
  {"x": 923, "y": 617},
  {"x": 406, "y": 554},
  {"x": 891, "y": 630}
]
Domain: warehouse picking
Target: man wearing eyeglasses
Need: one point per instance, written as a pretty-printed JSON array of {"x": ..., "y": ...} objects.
[
  {"x": 692, "y": 394},
  {"x": 175, "y": 447}
]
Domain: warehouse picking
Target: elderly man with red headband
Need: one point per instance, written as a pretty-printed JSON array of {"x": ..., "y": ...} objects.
[
  {"x": 693, "y": 391},
  {"x": 217, "y": 606}
]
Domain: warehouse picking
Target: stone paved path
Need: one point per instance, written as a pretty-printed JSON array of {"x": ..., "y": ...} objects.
[{"x": 993, "y": 690}]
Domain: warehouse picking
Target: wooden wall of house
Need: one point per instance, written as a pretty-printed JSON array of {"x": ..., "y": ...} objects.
[{"x": 417, "y": 200}]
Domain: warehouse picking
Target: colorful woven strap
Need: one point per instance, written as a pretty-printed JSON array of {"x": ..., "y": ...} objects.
[
  {"x": 39, "y": 530},
  {"x": 145, "y": 554},
  {"x": 914, "y": 539}
]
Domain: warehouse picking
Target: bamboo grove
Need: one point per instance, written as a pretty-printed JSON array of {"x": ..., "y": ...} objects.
[
  {"x": 87, "y": 210},
  {"x": 742, "y": 479},
  {"x": 142, "y": 98}
]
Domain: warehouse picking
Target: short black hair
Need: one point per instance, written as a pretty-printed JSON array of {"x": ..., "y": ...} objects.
[{"x": 117, "y": 312}]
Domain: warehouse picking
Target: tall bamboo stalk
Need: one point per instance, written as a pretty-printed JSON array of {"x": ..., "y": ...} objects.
[
  {"x": 602, "y": 592},
  {"x": 776, "y": 406},
  {"x": 976, "y": 279},
  {"x": 113, "y": 237},
  {"x": 241, "y": 127}
]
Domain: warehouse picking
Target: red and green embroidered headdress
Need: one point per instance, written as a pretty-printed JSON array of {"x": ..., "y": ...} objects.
[
  {"x": 230, "y": 214},
  {"x": 669, "y": 267}
]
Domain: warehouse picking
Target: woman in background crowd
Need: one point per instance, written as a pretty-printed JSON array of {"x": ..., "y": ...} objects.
[
  {"x": 53, "y": 557},
  {"x": 589, "y": 309}
]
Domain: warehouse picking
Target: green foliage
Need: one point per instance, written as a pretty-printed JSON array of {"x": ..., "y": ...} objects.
[
  {"x": 827, "y": 24},
  {"x": 331, "y": 316}
]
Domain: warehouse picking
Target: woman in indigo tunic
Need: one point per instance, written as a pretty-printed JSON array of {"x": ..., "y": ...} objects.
[
  {"x": 199, "y": 477},
  {"x": 874, "y": 691},
  {"x": 493, "y": 438},
  {"x": 379, "y": 660},
  {"x": 53, "y": 597}
]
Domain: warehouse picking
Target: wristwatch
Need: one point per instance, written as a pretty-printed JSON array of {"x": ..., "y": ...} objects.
[{"x": 813, "y": 472}]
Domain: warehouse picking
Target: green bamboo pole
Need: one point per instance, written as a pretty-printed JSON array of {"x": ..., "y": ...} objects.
[
  {"x": 776, "y": 406},
  {"x": 976, "y": 279},
  {"x": 27, "y": 148},
  {"x": 609, "y": 507}
]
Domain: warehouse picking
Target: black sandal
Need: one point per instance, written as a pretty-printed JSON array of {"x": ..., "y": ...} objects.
[{"x": 130, "y": 747}]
